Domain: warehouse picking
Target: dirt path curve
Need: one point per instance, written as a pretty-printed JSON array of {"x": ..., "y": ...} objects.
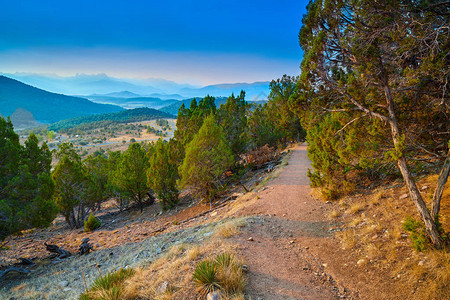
[{"x": 276, "y": 245}]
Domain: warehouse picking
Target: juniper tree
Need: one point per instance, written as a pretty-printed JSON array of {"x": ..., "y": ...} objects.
[
  {"x": 163, "y": 173},
  {"x": 208, "y": 156},
  {"x": 382, "y": 60}
]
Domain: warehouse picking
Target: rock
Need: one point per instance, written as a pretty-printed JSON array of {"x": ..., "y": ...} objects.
[
  {"x": 404, "y": 196},
  {"x": 324, "y": 265},
  {"x": 163, "y": 287},
  {"x": 214, "y": 296},
  {"x": 213, "y": 214},
  {"x": 361, "y": 262},
  {"x": 291, "y": 242},
  {"x": 250, "y": 239},
  {"x": 424, "y": 187},
  {"x": 63, "y": 283}
]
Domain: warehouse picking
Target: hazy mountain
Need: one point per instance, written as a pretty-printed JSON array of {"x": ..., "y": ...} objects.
[
  {"x": 45, "y": 107},
  {"x": 102, "y": 84}
]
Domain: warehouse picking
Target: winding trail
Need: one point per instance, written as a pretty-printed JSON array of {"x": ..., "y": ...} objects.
[{"x": 286, "y": 222}]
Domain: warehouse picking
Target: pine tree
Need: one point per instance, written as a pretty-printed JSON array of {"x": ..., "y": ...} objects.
[{"x": 208, "y": 155}]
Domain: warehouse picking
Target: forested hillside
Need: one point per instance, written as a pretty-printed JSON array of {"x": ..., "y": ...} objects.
[
  {"x": 95, "y": 121},
  {"x": 45, "y": 107}
]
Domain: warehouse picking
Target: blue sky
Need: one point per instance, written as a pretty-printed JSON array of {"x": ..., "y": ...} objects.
[{"x": 200, "y": 42}]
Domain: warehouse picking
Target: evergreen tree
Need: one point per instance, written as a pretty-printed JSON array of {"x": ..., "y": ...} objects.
[
  {"x": 97, "y": 174},
  {"x": 232, "y": 116},
  {"x": 163, "y": 173},
  {"x": 26, "y": 187},
  {"x": 70, "y": 185},
  {"x": 208, "y": 155},
  {"x": 130, "y": 176}
]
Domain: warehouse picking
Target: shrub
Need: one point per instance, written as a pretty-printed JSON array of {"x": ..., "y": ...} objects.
[
  {"x": 417, "y": 233},
  {"x": 91, "y": 223}
]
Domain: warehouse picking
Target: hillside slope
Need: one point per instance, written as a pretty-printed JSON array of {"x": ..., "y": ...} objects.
[{"x": 45, "y": 107}]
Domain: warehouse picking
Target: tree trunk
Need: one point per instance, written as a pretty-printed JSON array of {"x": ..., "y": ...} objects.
[
  {"x": 414, "y": 193},
  {"x": 442, "y": 180}
]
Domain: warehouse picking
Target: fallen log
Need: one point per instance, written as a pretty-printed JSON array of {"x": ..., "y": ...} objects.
[
  {"x": 85, "y": 246},
  {"x": 57, "y": 250},
  {"x": 14, "y": 269}
]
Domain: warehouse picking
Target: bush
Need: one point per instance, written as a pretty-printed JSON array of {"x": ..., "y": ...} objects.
[
  {"x": 417, "y": 233},
  {"x": 91, "y": 223}
]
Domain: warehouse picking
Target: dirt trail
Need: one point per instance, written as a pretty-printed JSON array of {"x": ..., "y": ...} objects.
[{"x": 276, "y": 245}]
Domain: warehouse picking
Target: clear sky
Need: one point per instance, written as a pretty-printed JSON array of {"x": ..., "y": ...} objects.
[{"x": 199, "y": 41}]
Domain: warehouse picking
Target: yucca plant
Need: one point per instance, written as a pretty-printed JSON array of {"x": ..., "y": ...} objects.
[{"x": 205, "y": 277}]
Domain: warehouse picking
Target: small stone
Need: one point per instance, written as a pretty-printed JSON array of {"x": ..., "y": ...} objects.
[
  {"x": 306, "y": 247},
  {"x": 163, "y": 287},
  {"x": 63, "y": 283},
  {"x": 328, "y": 202},
  {"x": 324, "y": 265},
  {"x": 361, "y": 262},
  {"x": 244, "y": 268},
  {"x": 404, "y": 196},
  {"x": 291, "y": 242},
  {"x": 250, "y": 239},
  {"x": 421, "y": 263},
  {"x": 217, "y": 295},
  {"x": 213, "y": 214},
  {"x": 424, "y": 187}
]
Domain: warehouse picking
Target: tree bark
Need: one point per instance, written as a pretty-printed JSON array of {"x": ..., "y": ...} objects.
[
  {"x": 414, "y": 193},
  {"x": 442, "y": 180}
]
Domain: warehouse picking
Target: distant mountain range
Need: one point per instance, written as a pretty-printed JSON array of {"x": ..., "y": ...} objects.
[
  {"x": 103, "y": 85},
  {"x": 44, "y": 107}
]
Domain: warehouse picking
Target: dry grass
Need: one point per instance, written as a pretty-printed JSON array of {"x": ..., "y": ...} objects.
[
  {"x": 377, "y": 236},
  {"x": 354, "y": 208},
  {"x": 171, "y": 276},
  {"x": 230, "y": 228},
  {"x": 334, "y": 214}
]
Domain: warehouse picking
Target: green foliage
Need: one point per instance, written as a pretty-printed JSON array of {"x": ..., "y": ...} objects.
[
  {"x": 163, "y": 173},
  {"x": 97, "y": 176},
  {"x": 232, "y": 116},
  {"x": 417, "y": 233},
  {"x": 109, "y": 286},
  {"x": 91, "y": 223},
  {"x": 71, "y": 185},
  {"x": 26, "y": 187},
  {"x": 358, "y": 56},
  {"x": 205, "y": 277},
  {"x": 130, "y": 176},
  {"x": 189, "y": 120},
  {"x": 208, "y": 156}
]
